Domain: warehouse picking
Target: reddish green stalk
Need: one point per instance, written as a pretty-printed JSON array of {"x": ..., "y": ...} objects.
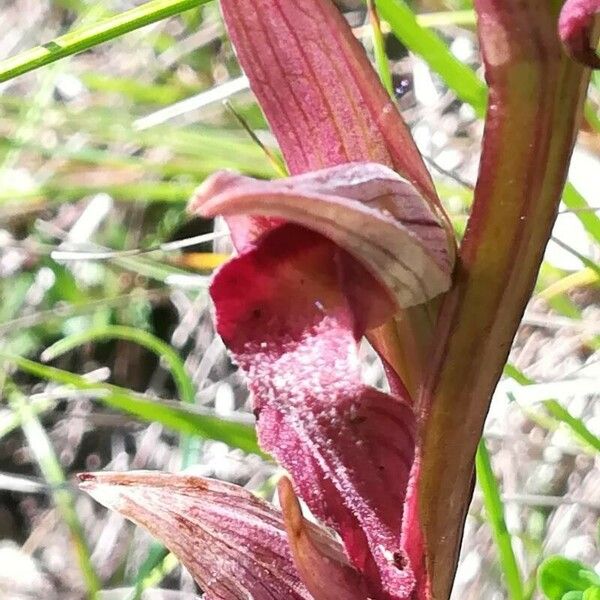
[{"x": 536, "y": 95}]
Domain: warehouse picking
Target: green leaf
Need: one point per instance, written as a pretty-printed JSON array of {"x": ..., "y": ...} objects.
[
  {"x": 65, "y": 286},
  {"x": 93, "y": 35},
  {"x": 581, "y": 209},
  {"x": 183, "y": 381},
  {"x": 494, "y": 509},
  {"x": 51, "y": 469},
  {"x": 592, "y": 593},
  {"x": 558, "y": 576},
  {"x": 177, "y": 417},
  {"x": 427, "y": 44}
]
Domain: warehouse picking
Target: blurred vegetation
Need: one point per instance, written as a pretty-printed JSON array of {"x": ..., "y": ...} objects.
[{"x": 100, "y": 151}]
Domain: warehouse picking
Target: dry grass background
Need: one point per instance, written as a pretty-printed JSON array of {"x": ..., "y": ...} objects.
[{"x": 83, "y": 167}]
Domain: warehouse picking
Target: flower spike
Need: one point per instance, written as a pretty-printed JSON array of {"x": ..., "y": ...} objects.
[
  {"x": 354, "y": 244},
  {"x": 324, "y": 256}
]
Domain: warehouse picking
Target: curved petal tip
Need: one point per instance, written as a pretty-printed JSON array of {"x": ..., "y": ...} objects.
[
  {"x": 234, "y": 544},
  {"x": 321, "y": 563},
  {"x": 575, "y": 28}
]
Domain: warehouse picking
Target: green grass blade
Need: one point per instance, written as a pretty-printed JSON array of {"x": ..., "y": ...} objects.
[
  {"x": 558, "y": 411},
  {"x": 444, "y": 18},
  {"x": 590, "y": 264},
  {"x": 138, "y": 336},
  {"x": 591, "y": 116},
  {"x": 136, "y": 91},
  {"x": 93, "y": 35},
  {"x": 494, "y": 509},
  {"x": 64, "y": 191},
  {"x": 585, "y": 277},
  {"x": 517, "y": 375},
  {"x": 183, "y": 381},
  {"x": 152, "y": 573},
  {"x": 581, "y": 209},
  {"x": 412, "y": 31},
  {"x": 152, "y": 569},
  {"x": 153, "y": 566},
  {"x": 42, "y": 99},
  {"x": 428, "y": 45},
  {"x": 179, "y": 418},
  {"x": 381, "y": 59},
  {"x": 9, "y": 420},
  {"x": 53, "y": 474}
]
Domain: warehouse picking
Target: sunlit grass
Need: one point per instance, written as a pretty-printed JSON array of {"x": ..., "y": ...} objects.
[{"x": 72, "y": 151}]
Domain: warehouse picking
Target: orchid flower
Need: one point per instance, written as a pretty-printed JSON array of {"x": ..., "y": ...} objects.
[{"x": 356, "y": 243}]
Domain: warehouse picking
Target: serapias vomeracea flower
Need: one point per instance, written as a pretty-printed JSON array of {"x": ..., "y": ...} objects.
[
  {"x": 357, "y": 243},
  {"x": 339, "y": 250},
  {"x": 324, "y": 256}
]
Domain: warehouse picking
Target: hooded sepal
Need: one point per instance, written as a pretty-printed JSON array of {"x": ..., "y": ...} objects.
[
  {"x": 365, "y": 208},
  {"x": 318, "y": 90}
]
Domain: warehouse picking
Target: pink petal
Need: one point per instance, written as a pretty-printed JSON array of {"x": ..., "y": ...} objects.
[
  {"x": 323, "y": 567},
  {"x": 318, "y": 90},
  {"x": 576, "y": 30},
  {"x": 365, "y": 208},
  {"x": 244, "y": 229},
  {"x": 283, "y": 310},
  {"x": 233, "y": 543}
]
